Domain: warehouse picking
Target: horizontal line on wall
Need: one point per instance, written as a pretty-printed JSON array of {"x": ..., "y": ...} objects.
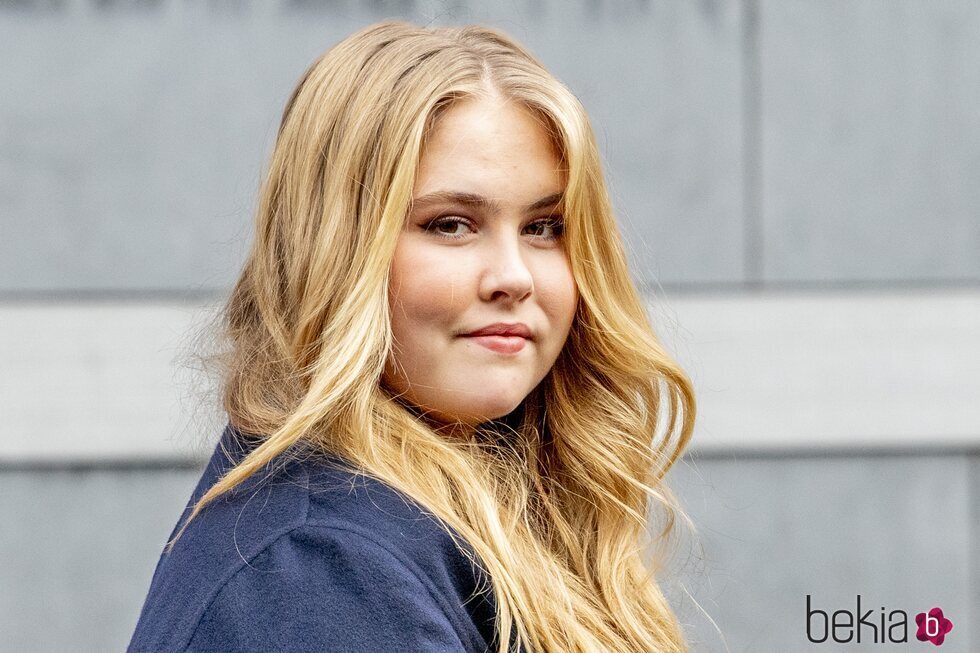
[
  {"x": 730, "y": 454},
  {"x": 110, "y": 295},
  {"x": 774, "y": 373},
  {"x": 819, "y": 451},
  {"x": 138, "y": 295},
  {"x": 811, "y": 287},
  {"x": 105, "y": 464}
]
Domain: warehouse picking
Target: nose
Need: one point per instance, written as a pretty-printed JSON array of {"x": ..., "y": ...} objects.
[{"x": 506, "y": 276}]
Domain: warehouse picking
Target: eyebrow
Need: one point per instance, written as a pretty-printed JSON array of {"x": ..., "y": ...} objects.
[{"x": 479, "y": 201}]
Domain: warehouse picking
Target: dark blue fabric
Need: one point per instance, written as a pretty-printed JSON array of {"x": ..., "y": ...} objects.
[{"x": 309, "y": 556}]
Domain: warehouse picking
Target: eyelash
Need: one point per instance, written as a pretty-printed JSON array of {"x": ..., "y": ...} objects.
[{"x": 556, "y": 223}]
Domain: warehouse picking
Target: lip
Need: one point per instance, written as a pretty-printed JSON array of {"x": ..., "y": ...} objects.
[
  {"x": 501, "y": 344},
  {"x": 502, "y": 337},
  {"x": 506, "y": 329}
]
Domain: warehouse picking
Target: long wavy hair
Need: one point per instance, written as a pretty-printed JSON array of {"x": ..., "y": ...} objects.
[{"x": 558, "y": 499}]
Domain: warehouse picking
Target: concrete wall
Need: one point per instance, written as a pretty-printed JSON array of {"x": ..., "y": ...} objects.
[{"x": 796, "y": 184}]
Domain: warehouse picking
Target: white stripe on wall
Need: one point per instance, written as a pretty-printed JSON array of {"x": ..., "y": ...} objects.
[
  {"x": 830, "y": 369},
  {"x": 104, "y": 381}
]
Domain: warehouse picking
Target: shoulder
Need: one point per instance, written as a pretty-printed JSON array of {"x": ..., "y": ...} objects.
[
  {"x": 326, "y": 587},
  {"x": 314, "y": 553}
]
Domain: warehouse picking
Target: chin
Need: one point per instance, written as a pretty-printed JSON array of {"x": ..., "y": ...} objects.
[
  {"x": 499, "y": 412},
  {"x": 474, "y": 415}
]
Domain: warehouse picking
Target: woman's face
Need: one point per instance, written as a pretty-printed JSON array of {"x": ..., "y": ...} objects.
[{"x": 482, "y": 246}]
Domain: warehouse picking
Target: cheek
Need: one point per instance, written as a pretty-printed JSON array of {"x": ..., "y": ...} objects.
[
  {"x": 558, "y": 293},
  {"x": 425, "y": 289}
]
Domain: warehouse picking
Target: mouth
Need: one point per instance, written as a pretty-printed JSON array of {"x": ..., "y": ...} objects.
[
  {"x": 503, "y": 329},
  {"x": 502, "y": 337},
  {"x": 500, "y": 344}
]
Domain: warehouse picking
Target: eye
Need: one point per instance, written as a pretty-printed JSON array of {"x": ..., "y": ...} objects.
[
  {"x": 550, "y": 228},
  {"x": 448, "y": 226}
]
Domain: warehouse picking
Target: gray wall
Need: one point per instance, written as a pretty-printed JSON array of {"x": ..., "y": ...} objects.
[
  {"x": 755, "y": 148},
  {"x": 773, "y": 142}
]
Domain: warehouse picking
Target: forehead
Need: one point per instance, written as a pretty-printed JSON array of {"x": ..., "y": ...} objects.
[{"x": 489, "y": 145}]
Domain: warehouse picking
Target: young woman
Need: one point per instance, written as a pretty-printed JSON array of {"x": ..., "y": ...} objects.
[{"x": 449, "y": 418}]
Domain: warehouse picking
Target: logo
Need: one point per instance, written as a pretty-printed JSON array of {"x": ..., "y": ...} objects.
[
  {"x": 932, "y": 626},
  {"x": 885, "y": 627}
]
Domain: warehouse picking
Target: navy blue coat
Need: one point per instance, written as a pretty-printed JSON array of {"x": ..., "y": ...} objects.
[{"x": 308, "y": 556}]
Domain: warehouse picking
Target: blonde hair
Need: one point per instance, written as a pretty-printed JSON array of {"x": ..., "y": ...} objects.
[{"x": 558, "y": 507}]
